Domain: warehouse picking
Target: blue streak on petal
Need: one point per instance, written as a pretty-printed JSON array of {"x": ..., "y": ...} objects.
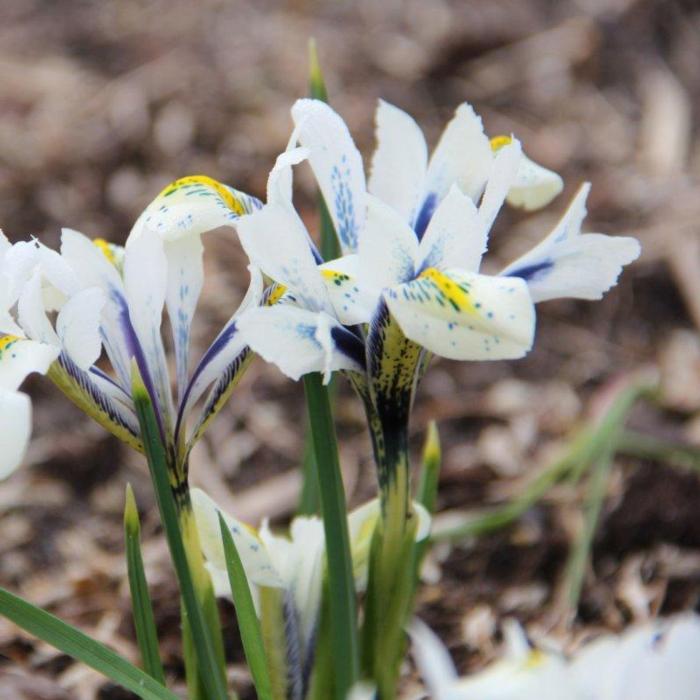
[
  {"x": 425, "y": 213},
  {"x": 349, "y": 344},
  {"x": 532, "y": 272},
  {"x": 343, "y": 204}
]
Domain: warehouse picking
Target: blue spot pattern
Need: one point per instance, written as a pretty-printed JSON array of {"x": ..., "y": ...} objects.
[{"x": 343, "y": 204}]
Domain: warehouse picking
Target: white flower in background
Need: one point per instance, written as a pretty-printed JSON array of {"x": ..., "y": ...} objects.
[
  {"x": 415, "y": 241},
  {"x": 653, "y": 661},
  {"x": 114, "y": 298},
  {"x": 294, "y": 564},
  {"x": 36, "y": 280}
]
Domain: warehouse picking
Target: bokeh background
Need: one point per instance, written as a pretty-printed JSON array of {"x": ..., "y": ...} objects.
[{"x": 102, "y": 104}]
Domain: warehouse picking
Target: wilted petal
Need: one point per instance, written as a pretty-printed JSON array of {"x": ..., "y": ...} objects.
[
  {"x": 462, "y": 157},
  {"x": 337, "y": 165},
  {"x": 455, "y": 236},
  {"x": 256, "y": 561},
  {"x": 465, "y": 316},
  {"x": 388, "y": 250},
  {"x": 570, "y": 264},
  {"x": 299, "y": 341},
  {"x": 400, "y": 162}
]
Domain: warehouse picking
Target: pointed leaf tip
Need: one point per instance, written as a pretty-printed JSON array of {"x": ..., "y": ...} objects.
[
  {"x": 317, "y": 85},
  {"x": 132, "y": 523}
]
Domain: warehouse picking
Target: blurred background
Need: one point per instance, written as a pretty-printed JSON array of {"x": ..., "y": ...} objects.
[{"x": 102, "y": 104}]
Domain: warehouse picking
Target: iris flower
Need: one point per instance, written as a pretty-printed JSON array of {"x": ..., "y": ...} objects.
[
  {"x": 113, "y": 299},
  {"x": 287, "y": 573},
  {"x": 656, "y": 660}
]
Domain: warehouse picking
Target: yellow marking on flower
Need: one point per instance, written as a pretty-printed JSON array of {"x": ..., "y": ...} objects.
[
  {"x": 535, "y": 659},
  {"x": 231, "y": 201},
  {"x": 450, "y": 292},
  {"x": 337, "y": 278},
  {"x": 498, "y": 142},
  {"x": 276, "y": 294},
  {"x": 106, "y": 249},
  {"x": 6, "y": 342}
]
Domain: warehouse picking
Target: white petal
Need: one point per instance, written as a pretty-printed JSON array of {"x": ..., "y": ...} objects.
[
  {"x": 16, "y": 421},
  {"x": 569, "y": 264},
  {"x": 388, "y": 250},
  {"x": 276, "y": 241},
  {"x": 254, "y": 556},
  {"x": 191, "y": 206},
  {"x": 433, "y": 660},
  {"x": 337, "y": 165},
  {"x": 78, "y": 326},
  {"x": 455, "y": 236},
  {"x": 465, "y": 316},
  {"x": 400, "y": 162},
  {"x": 145, "y": 283},
  {"x": 503, "y": 172},
  {"x": 462, "y": 157},
  {"x": 184, "y": 285},
  {"x": 31, "y": 312},
  {"x": 20, "y": 357},
  {"x": 292, "y": 339},
  {"x": 279, "y": 182},
  {"x": 534, "y": 187},
  {"x": 353, "y": 304}
]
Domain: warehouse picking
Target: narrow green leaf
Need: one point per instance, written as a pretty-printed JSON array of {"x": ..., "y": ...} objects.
[
  {"x": 343, "y": 606},
  {"x": 75, "y": 643},
  {"x": 317, "y": 85},
  {"x": 141, "y": 607},
  {"x": 309, "y": 498},
  {"x": 211, "y": 673},
  {"x": 248, "y": 624}
]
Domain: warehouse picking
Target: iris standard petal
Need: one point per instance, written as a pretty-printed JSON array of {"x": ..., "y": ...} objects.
[
  {"x": 276, "y": 241},
  {"x": 400, "y": 161},
  {"x": 78, "y": 326},
  {"x": 337, "y": 165},
  {"x": 465, "y": 316},
  {"x": 455, "y": 236},
  {"x": 502, "y": 176},
  {"x": 388, "y": 248},
  {"x": 570, "y": 264}
]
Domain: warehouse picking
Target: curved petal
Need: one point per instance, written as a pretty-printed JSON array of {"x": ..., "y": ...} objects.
[
  {"x": 400, "y": 162},
  {"x": 191, "y": 206},
  {"x": 455, "y": 236},
  {"x": 254, "y": 556},
  {"x": 465, "y": 316},
  {"x": 31, "y": 312},
  {"x": 388, "y": 248},
  {"x": 337, "y": 165},
  {"x": 276, "y": 241},
  {"x": 433, "y": 660},
  {"x": 462, "y": 157},
  {"x": 16, "y": 421},
  {"x": 145, "y": 284},
  {"x": 353, "y": 304},
  {"x": 569, "y": 264},
  {"x": 299, "y": 341}
]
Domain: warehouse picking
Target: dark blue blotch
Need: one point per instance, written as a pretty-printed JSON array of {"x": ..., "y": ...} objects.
[
  {"x": 532, "y": 272},
  {"x": 425, "y": 213}
]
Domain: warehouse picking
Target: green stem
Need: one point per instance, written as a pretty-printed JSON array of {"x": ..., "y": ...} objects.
[{"x": 343, "y": 612}]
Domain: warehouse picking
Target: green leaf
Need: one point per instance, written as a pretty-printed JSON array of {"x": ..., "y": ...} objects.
[
  {"x": 141, "y": 607},
  {"x": 343, "y": 606},
  {"x": 75, "y": 643},
  {"x": 211, "y": 672},
  {"x": 248, "y": 624},
  {"x": 317, "y": 85}
]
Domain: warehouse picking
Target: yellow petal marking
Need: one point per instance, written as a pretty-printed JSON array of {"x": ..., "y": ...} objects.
[
  {"x": 457, "y": 295},
  {"x": 6, "y": 342},
  {"x": 106, "y": 249},
  {"x": 231, "y": 201},
  {"x": 498, "y": 142}
]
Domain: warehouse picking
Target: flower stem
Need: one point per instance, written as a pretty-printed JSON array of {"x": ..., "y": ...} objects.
[{"x": 343, "y": 609}]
